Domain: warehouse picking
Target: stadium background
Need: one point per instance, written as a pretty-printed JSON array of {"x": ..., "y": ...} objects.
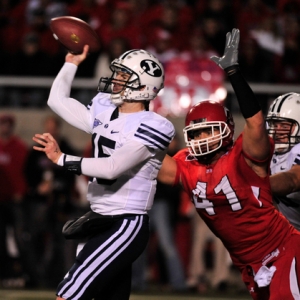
[{"x": 269, "y": 59}]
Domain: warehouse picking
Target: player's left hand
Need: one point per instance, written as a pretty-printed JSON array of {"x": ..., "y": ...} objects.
[
  {"x": 49, "y": 146},
  {"x": 230, "y": 56}
]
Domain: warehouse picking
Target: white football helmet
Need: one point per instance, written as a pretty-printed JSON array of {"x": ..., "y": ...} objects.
[
  {"x": 146, "y": 80},
  {"x": 285, "y": 108}
]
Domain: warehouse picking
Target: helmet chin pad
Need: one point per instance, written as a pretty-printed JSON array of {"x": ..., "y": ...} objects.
[
  {"x": 116, "y": 99},
  {"x": 130, "y": 95}
]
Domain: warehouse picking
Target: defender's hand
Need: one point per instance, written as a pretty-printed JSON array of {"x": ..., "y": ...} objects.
[
  {"x": 49, "y": 146},
  {"x": 230, "y": 56}
]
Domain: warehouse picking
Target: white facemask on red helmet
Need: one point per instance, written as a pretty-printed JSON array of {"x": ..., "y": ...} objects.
[{"x": 211, "y": 115}]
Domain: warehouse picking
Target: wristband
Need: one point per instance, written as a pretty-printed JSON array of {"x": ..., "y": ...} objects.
[
  {"x": 72, "y": 164},
  {"x": 249, "y": 105}
]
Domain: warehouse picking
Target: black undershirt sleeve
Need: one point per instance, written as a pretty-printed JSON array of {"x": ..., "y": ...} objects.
[{"x": 249, "y": 105}]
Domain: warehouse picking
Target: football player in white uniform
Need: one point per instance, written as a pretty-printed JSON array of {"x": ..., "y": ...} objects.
[
  {"x": 283, "y": 122},
  {"x": 129, "y": 144}
]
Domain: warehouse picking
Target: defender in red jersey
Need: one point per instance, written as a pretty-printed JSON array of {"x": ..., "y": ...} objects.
[{"x": 228, "y": 182}]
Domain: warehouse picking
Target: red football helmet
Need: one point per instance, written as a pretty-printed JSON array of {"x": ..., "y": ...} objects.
[{"x": 211, "y": 115}]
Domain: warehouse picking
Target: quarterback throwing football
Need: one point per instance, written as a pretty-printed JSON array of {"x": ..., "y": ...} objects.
[{"x": 129, "y": 144}]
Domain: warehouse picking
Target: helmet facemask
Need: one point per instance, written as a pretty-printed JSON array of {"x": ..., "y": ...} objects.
[
  {"x": 127, "y": 88},
  {"x": 200, "y": 147},
  {"x": 283, "y": 121},
  {"x": 289, "y": 132}
]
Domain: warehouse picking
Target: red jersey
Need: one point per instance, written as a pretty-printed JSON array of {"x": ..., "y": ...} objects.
[{"x": 235, "y": 203}]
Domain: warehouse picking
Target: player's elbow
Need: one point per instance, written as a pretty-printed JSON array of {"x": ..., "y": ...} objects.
[
  {"x": 284, "y": 183},
  {"x": 51, "y": 102},
  {"x": 112, "y": 176},
  {"x": 294, "y": 183},
  {"x": 113, "y": 172}
]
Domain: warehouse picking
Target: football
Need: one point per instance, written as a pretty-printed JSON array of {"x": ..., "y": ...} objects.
[{"x": 74, "y": 33}]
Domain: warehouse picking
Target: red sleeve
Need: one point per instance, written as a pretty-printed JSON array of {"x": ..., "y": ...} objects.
[
  {"x": 179, "y": 157},
  {"x": 266, "y": 159},
  {"x": 177, "y": 177}
]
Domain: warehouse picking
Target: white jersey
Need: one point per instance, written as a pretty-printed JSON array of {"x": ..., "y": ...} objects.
[
  {"x": 128, "y": 148},
  {"x": 288, "y": 205}
]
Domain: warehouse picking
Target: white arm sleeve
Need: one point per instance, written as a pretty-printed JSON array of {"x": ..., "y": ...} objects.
[
  {"x": 71, "y": 110},
  {"x": 119, "y": 162}
]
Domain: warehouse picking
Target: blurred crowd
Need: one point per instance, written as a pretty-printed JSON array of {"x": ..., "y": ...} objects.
[
  {"x": 37, "y": 198},
  {"x": 179, "y": 32}
]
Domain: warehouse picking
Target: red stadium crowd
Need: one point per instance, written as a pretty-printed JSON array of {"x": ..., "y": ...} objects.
[
  {"x": 182, "y": 33},
  {"x": 270, "y": 31}
]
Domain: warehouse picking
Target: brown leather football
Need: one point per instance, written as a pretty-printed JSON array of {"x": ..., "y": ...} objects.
[{"x": 74, "y": 33}]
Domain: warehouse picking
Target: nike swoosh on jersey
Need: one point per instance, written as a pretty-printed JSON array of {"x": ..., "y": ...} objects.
[
  {"x": 153, "y": 136},
  {"x": 114, "y": 132}
]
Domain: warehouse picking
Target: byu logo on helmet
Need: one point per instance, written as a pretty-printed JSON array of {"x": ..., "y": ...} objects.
[{"x": 151, "y": 68}]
